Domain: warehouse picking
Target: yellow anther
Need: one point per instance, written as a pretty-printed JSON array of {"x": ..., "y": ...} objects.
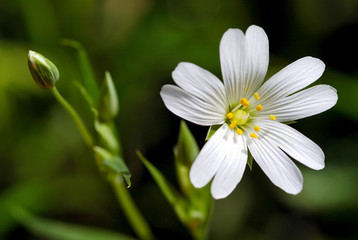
[
  {"x": 257, "y": 128},
  {"x": 259, "y": 107},
  {"x": 244, "y": 102},
  {"x": 253, "y": 135},
  {"x": 229, "y": 115},
  {"x": 256, "y": 95},
  {"x": 239, "y": 131},
  {"x": 233, "y": 124},
  {"x": 272, "y": 117}
]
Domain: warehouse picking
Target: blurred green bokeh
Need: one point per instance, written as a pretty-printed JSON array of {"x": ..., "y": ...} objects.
[{"x": 47, "y": 169}]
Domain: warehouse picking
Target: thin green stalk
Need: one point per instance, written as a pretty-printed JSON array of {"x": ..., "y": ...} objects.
[
  {"x": 134, "y": 217},
  {"x": 76, "y": 118}
]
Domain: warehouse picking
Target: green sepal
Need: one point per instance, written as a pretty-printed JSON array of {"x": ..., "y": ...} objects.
[
  {"x": 43, "y": 71},
  {"x": 109, "y": 163},
  {"x": 211, "y": 131},
  {"x": 108, "y": 106},
  {"x": 177, "y": 201},
  {"x": 56, "y": 230},
  {"x": 89, "y": 80},
  {"x": 250, "y": 161}
]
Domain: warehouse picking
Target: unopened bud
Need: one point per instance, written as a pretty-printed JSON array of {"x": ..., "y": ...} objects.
[
  {"x": 108, "y": 106},
  {"x": 43, "y": 71}
]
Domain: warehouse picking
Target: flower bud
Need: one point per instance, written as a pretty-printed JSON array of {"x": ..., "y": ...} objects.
[
  {"x": 43, "y": 71},
  {"x": 108, "y": 106}
]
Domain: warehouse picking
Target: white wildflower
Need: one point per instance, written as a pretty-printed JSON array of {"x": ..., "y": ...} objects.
[{"x": 251, "y": 113}]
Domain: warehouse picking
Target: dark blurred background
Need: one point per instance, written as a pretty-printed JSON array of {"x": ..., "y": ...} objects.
[{"x": 46, "y": 168}]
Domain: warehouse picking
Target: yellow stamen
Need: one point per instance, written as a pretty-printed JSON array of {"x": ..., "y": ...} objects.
[
  {"x": 239, "y": 131},
  {"x": 259, "y": 107},
  {"x": 244, "y": 102},
  {"x": 229, "y": 115},
  {"x": 256, "y": 95},
  {"x": 253, "y": 135},
  {"x": 257, "y": 128},
  {"x": 233, "y": 124},
  {"x": 272, "y": 117}
]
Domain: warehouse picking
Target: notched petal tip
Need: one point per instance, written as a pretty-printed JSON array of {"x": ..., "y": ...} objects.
[{"x": 254, "y": 27}]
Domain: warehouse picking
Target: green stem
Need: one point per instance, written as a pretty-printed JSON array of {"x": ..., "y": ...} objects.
[
  {"x": 132, "y": 213},
  {"x": 76, "y": 118}
]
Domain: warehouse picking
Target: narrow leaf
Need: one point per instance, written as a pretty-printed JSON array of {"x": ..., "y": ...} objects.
[
  {"x": 107, "y": 136},
  {"x": 185, "y": 153},
  {"x": 56, "y": 230},
  {"x": 86, "y": 96},
  {"x": 89, "y": 80},
  {"x": 110, "y": 162},
  {"x": 187, "y": 148},
  {"x": 172, "y": 195}
]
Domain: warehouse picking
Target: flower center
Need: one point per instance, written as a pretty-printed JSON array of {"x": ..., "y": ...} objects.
[
  {"x": 240, "y": 116},
  {"x": 237, "y": 119}
]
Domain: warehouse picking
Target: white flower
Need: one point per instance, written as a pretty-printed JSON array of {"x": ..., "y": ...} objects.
[{"x": 251, "y": 114}]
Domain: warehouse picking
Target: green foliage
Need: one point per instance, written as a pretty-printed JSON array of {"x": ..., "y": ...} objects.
[{"x": 89, "y": 80}]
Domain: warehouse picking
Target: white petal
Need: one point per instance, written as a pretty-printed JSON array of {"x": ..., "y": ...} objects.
[
  {"x": 232, "y": 59},
  {"x": 200, "y": 83},
  {"x": 232, "y": 168},
  {"x": 191, "y": 108},
  {"x": 257, "y": 59},
  {"x": 303, "y": 104},
  {"x": 209, "y": 159},
  {"x": 276, "y": 165},
  {"x": 244, "y": 61},
  {"x": 292, "y": 78},
  {"x": 294, "y": 144}
]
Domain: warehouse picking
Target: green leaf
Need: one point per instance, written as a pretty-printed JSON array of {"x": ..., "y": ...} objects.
[
  {"x": 172, "y": 195},
  {"x": 89, "y": 80},
  {"x": 56, "y": 230},
  {"x": 108, "y": 106},
  {"x": 187, "y": 148},
  {"x": 185, "y": 153},
  {"x": 107, "y": 135},
  {"x": 211, "y": 131},
  {"x": 87, "y": 97},
  {"x": 109, "y": 162}
]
